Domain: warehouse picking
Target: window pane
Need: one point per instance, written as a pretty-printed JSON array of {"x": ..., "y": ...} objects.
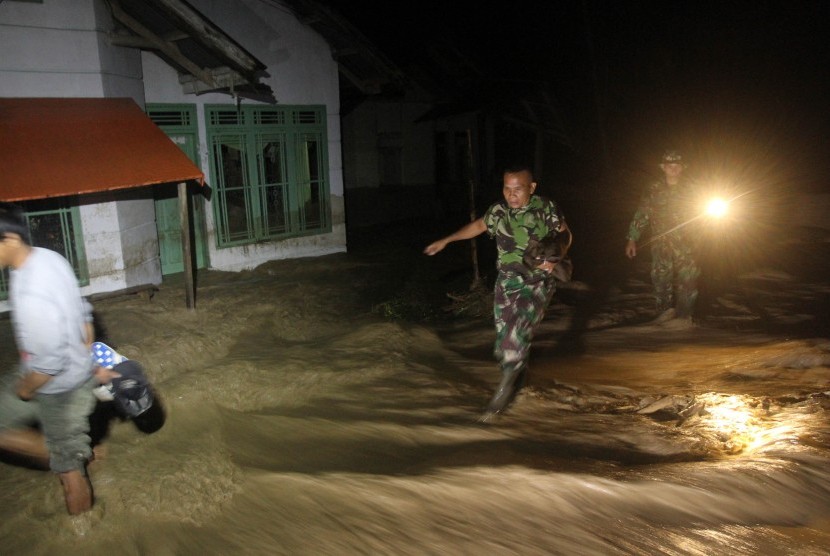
[
  {"x": 52, "y": 229},
  {"x": 46, "y": 231},
  {"x": 237, "y": 216},
  {"x": 312, "y": 146},
  {"x": 309, "y": 183},
  {"x": 275, "y": 209},
  {"x": 271, "y": 155},
  {"x": 229, "y": 156}
]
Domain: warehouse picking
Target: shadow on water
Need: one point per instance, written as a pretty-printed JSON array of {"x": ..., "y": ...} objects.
[
  {"x": 326, "y": 446},
  {"x": 106, "y": 414}
]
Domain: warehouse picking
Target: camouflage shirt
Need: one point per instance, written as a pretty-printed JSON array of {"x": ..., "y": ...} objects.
[
  {"x": 663, "y": 207},
  {"x": 513, "y": 228}
]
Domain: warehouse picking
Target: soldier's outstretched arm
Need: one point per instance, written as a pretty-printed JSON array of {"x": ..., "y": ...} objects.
[{"x": 471, "y": 230}]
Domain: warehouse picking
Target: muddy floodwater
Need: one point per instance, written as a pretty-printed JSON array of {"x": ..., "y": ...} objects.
[{"x": 307, "y": 412}]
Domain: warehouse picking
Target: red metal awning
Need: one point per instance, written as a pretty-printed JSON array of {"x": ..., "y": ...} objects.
[{"x": 52, "y": 147}]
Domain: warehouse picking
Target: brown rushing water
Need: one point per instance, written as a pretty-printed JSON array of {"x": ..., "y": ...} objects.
[{"x": 298, "y": 421}]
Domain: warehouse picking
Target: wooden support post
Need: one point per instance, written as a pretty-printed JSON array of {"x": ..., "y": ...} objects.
[
  {"x": 187, "y": 255},
  {"x": 472, "y": 198}
]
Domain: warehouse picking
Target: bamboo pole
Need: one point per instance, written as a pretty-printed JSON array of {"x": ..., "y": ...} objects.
[
  {"x": 472, "y": 187},
  {"x": 187, "y": 256}
]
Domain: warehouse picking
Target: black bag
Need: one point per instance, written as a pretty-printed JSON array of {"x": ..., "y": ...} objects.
[{"x": 551, "y": 248}]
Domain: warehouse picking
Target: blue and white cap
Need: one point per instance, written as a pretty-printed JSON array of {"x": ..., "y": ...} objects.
[
  {"x": 105, "y": 356},
  {"x": 131, "y": 391}
]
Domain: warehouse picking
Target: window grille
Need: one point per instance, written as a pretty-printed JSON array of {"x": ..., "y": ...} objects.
[
  {"x": 58, "y": 229},
  {"x": 270, "y": 168}
]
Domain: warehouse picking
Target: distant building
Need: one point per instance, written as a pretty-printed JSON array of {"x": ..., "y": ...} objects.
[{"x": 430, "y": 139}]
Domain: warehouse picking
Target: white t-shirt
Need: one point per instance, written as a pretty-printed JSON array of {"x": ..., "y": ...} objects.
[{"x": 49, "y": 318}]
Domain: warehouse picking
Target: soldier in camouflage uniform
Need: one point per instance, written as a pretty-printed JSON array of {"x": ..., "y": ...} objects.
[
  {"x": 665, "y": 209},
  {"x": 521, "y": 294}
]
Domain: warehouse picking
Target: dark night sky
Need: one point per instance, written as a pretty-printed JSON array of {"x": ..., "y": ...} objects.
[{"x": 740, "y": 79}]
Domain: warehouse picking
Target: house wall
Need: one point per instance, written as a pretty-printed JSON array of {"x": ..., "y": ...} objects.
[
  {"x": 49, "y": 49},
  {"x": 59, "y": 48},
  {"x": 414, "y": 195},
  {"x": 301, "y": 71}
]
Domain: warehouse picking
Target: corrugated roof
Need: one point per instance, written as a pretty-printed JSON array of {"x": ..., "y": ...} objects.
[
  {"x": 365, "y": 70},
  {"x": 207, "y": 58},
  {"x": 53, "y": 147}
]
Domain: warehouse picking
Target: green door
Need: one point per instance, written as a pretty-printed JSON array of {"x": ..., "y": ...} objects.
[
  {"x": 179, "y": 122},
  {"x": 167, "y": 215}
]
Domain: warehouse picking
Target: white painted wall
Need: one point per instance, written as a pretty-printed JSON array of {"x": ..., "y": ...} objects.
[
  {"x": 301, "y": 71},
  {"x": 59, "y": 48},
  {"x": 49, "y": 49},
  {"x": 139, "y": 239},
  {"x": 103, "y": 261}
]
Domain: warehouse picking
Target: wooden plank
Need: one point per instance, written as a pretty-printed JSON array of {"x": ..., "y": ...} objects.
[{"x": 146, "y": 290}]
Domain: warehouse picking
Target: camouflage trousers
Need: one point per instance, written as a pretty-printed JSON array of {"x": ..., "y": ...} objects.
[
  {"x": 674, "y": 276},
  {"x": 518, "y": 307}
]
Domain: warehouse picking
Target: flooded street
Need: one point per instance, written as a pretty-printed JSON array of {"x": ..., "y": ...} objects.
[{"x": 301, "y": 419}]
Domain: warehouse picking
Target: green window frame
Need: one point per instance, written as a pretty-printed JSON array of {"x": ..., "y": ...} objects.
[
  {"x": 174, "y": 118},
  {"x": 54, "y": 225},
  {"x": 270, "y": 172}
]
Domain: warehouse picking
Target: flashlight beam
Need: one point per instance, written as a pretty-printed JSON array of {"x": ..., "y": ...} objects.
[
  {"x": 698, "y": 217},
  {"x": 717, "y": 207}
]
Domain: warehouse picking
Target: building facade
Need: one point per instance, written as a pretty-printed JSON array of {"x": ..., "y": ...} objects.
[{"x": 272, "y": 162}]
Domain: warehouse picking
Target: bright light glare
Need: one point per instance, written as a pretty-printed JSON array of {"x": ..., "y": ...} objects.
[
  {"x": 717, "y": 207},
  {"x": 742, "y": 425}
]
